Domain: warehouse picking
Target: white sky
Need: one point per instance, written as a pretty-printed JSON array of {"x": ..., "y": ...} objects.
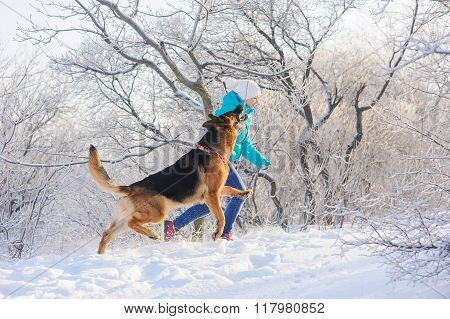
[
  {"x": 18, "y": 12},
  {"x": 9, "y": 19},
  {"x": 15, "y": 12}
]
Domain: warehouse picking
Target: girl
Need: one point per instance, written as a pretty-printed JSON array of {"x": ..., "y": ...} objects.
[{"x": 240, "y": 92}]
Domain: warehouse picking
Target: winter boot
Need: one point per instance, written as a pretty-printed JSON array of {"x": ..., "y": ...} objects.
[
  {"x": 169, "y": 230},
  {"x": 226, "y": 236}
]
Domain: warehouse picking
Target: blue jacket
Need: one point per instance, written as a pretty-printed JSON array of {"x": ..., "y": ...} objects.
[{"x": 244, "y": 145}]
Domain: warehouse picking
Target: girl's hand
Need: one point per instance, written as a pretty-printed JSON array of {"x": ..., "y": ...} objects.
[{"x": 265, "y": 166}]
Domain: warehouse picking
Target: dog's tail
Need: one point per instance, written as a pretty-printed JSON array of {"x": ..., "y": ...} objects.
[{"x": 101, "y": 177}]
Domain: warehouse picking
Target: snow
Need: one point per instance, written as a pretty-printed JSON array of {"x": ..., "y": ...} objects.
[{"x": 267, "y": 263}]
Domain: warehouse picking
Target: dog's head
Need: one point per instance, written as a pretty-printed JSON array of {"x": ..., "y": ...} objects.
[{"x": 231, "y": 120}]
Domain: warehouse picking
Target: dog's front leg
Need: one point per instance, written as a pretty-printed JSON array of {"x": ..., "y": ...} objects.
[
  {"x": 233, "y": 192},
  {"x": 212, "y": 200}
]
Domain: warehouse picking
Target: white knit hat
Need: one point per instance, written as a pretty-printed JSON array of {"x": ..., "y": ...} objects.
[{"x": 246, "y": 89}]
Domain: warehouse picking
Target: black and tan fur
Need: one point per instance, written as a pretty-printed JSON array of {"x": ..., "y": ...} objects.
[{"x": 196, "y": 177}]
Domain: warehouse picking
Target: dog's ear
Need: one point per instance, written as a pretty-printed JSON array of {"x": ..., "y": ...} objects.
[
  {"x": 213, "y": 117},
  {"x": 209, "y": 124}
]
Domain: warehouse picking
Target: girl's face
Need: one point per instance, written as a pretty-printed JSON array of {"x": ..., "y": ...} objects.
[{"x": 254, "y": 101}]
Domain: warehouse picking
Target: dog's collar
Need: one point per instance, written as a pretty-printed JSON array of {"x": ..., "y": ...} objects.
[{"x": 213, "y": 151}]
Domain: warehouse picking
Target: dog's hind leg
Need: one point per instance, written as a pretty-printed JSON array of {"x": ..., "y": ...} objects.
[
  {"x": 137, "y": 225},
  {"x": 148, "y": 210},
  {"x": 107, "y": 237},
  {"x": 212, "y": 200},
  {"x": 121, "y": 215}
]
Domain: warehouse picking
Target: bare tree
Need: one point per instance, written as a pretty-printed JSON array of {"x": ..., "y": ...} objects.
[
  {"x": 29, "y": 103},
  {"x": 411, "y": 234},
  {"x": 356, "y": 133}
]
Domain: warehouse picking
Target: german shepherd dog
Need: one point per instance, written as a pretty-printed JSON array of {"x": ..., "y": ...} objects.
[{"x": 197, "y": 177}]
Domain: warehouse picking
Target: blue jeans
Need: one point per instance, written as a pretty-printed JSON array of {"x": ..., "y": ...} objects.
[{"x": 200, "y": 210}]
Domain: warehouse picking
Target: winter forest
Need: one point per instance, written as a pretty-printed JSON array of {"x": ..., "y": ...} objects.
[{"x": 354, "y": 118}]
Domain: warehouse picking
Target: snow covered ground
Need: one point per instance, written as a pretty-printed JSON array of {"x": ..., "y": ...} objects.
[{"x": 263, "y": 264}]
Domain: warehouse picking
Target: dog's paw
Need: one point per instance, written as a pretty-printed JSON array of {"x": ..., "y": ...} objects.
[
  {"x": 246, "y": 194},
  {"x": 156, "y": 237},
  {"x": 217, "y": 235}
]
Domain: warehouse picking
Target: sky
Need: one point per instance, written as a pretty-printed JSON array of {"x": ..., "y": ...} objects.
[
  {"x": 15, "y": 13},
  {"x": 18, "y": 12},
  {"x": 11, "y": 12}
]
